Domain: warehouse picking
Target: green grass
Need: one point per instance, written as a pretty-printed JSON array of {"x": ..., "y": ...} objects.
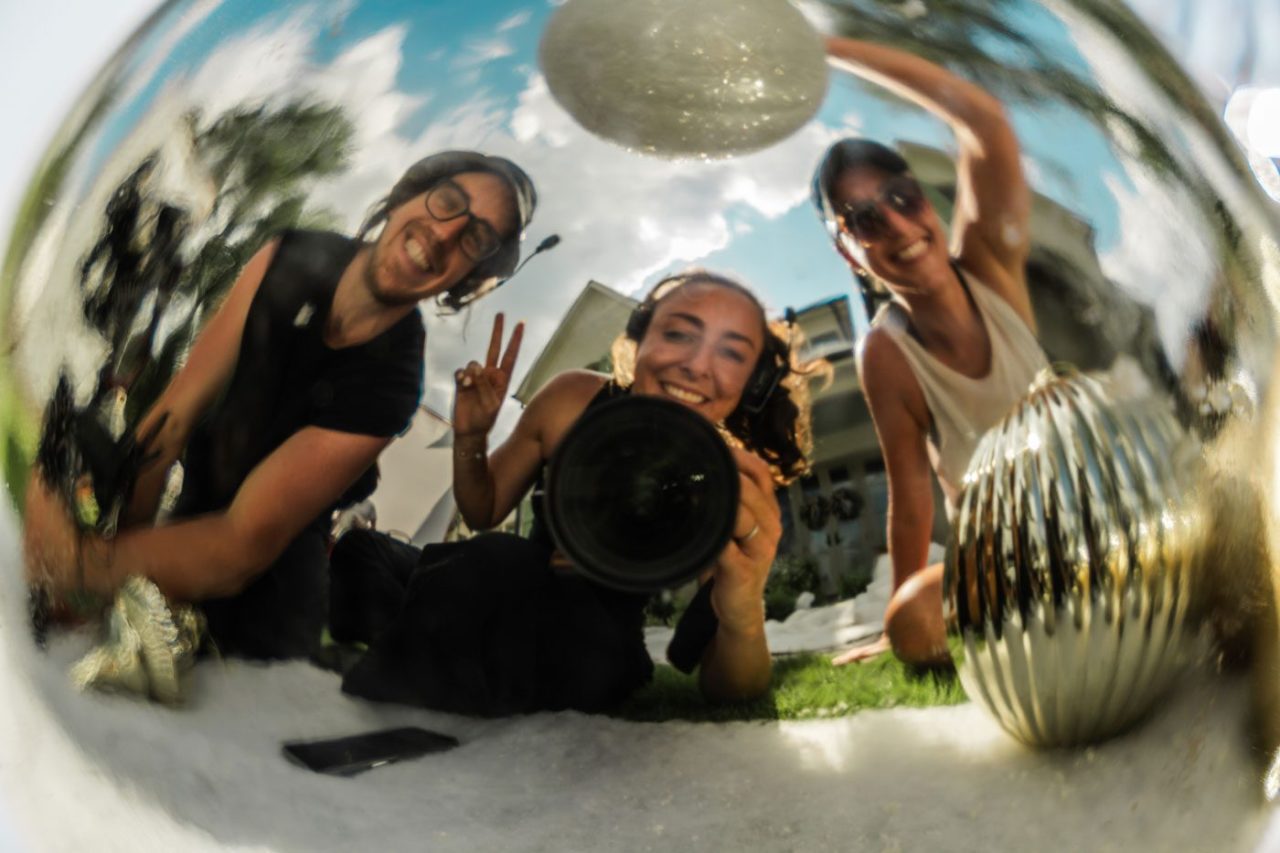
[
  {"x": 805, "y": 686},
  {"x": 19, "y": 429}
]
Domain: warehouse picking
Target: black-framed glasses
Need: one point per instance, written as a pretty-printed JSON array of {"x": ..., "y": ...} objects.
[
  {"x": 479, "y": 240},
  {"x": 865, "y": 219}
]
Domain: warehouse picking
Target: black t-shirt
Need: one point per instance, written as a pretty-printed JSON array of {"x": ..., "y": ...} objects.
[{"x": 286, "y": 379}]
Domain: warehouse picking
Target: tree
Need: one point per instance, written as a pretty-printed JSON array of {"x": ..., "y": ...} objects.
[{"x": 263, "y": 162}]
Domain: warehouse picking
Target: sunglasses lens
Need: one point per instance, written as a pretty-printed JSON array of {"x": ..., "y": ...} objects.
[
  {"x": 905, "y": 196},
  {"x": 865, "y": 221}
]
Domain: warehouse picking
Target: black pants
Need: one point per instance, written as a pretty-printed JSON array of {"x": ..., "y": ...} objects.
[
  {"x": 483, "y": 626},
  {"x": 282, "y": 612}
]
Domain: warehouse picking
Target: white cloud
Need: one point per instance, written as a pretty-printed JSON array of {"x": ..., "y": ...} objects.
[
  {"x": 187, "y": 22},
  {"x": 519, "y": 19},
  {"x": 1164, "y": 257},
  {"x": 1221, "y": 43},
  {"x": 480, "y": 51},
  {"x": 254, "y": 67}
]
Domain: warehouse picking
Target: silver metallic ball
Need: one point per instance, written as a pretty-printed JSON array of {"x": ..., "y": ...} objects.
[
  {"x": 1069, "y": 575},
  {"x": 674, "y": 78}
]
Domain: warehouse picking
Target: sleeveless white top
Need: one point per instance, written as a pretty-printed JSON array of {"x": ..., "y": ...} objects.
[{"x": 961, "y": 408}]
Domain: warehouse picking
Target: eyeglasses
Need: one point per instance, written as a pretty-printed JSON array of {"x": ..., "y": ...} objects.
[
  {"x": 866, "y": 221},
  {"x": 479, "y": 241}
]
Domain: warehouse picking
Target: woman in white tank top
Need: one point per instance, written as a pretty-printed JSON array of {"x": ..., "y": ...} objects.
[{"x": 955, "y": 346}]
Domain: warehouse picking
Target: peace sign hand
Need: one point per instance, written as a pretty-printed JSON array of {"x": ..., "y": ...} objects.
[{"x": 481, "y": 388}]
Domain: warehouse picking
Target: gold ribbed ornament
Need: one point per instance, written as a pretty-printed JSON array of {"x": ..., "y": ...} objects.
[
  {"x": 1069, "y": 574},
  {"x": 148, "y": 645}
]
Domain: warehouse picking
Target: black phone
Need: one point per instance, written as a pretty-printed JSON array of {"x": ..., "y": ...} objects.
[{"x": 347, "y": 756}]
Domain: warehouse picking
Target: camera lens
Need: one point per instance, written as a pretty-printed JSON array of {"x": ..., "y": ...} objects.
[{"x": 642, "y": 494}]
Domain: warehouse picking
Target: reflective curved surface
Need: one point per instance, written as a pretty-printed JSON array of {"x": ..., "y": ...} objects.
[
  {"x": 1070, "y": 575},
  {"x": 660, "y": 77},
  {"x": 223, "y": 123}
]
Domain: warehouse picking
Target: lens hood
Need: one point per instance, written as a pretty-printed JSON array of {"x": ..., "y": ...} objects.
[{"x": 641, "y": 494}]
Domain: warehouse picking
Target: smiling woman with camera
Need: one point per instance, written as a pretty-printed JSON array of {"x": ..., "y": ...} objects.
[{"x": 499, "y": 624}]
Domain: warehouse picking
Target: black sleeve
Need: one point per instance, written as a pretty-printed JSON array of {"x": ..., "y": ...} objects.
[
  {"x": 694, "y": 632},
  {"x": 375, "y": 391}
]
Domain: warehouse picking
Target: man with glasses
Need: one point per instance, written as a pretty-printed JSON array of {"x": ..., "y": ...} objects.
[
  {"x": 308, "y": 370},
  {"x": 952, "y": 344}
]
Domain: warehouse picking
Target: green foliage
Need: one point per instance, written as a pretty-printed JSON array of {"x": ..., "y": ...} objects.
[
  {"x": 791, "y": 575},
  {"x": 255, "y": 155},
  {"x": 855, "y": 581},
  {"x": 19, "y": 422},
  {"x": 263, "y": 163},
  {"x": 663, "y": 609},
  {"x": 805, "y": 686}
]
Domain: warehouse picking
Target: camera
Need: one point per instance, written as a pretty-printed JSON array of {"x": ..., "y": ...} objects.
[{"x": 641, "y": 494}]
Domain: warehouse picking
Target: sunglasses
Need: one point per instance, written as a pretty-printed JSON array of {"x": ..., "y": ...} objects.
[
  {"x": 479, "y": 241},
  {"x": 865, "y": 219}
]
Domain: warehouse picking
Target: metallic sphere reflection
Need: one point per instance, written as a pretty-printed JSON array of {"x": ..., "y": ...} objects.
[
  {"x": 1152, "y": 248},
  {"x": 1071, "y": 573}
]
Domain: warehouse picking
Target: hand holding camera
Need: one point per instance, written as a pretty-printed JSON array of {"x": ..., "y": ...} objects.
[{"x": 742, "y": 568}]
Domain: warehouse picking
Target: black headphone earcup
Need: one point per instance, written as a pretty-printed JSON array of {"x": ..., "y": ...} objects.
[
  {"x": 638, "y": 322},
  {"x": 763, "y": 382}
]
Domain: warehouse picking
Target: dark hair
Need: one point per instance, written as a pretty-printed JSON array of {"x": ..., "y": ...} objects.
[
  {"x": 429, "y": 171},
  {"x": 842, "y": 156},
  {"x": 780, "y": 431}
]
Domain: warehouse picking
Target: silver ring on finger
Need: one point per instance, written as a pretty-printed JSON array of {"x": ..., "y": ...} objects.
[{"x": 743, "y": 540}]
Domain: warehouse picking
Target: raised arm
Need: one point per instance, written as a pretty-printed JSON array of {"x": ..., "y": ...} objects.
[
  {"x": 194, "y": 388},
  {"x": 483, "y": 489},
  {"x": 990, "y": 226},
  {"x": 487, "y": 486},
  {"x": 497, "y": 481}
]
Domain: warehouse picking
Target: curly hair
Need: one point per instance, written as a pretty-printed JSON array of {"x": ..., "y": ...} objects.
[
  {"x": 429, "y": 171},
  {"x": 780, "y": 432}
]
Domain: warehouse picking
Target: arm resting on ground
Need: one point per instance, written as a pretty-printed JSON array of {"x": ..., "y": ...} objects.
[{"x": 218, "y": 554}]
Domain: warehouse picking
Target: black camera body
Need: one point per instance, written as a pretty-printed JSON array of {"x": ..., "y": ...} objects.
[{"x": 641, "y": 494}]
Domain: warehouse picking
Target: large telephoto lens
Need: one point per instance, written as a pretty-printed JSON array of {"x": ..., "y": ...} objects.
[{"x": 642, "y": 494}]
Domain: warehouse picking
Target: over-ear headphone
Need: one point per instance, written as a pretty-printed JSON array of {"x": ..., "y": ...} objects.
[
  {"x": 773, "y": 365},
  {"x": 771, "y": 369}
]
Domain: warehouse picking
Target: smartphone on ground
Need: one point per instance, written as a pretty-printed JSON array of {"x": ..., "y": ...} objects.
[{"x": 347, "y": 756}]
